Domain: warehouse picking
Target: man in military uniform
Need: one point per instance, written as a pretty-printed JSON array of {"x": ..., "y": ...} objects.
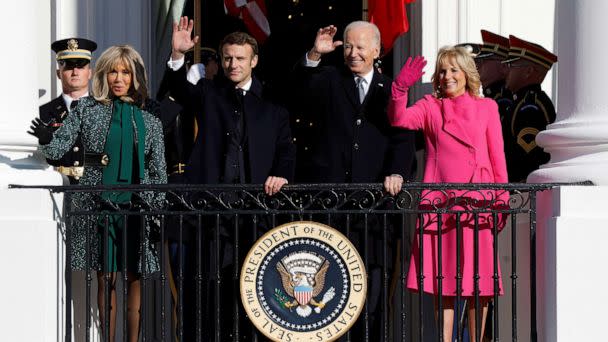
[
  {"x": 74, "y": 71},
  {"x": 492, "y": 72},
  {"x": 207, "y": 68},
  {"x": 532, "y": 109}
]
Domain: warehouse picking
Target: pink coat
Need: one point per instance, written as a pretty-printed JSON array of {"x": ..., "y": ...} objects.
[
  {"x": 471, "y": 139},
  {"x": 464, "y": 144}
]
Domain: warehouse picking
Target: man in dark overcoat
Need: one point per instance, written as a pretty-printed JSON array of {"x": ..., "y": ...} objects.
[
  {"x": 355, "y": 142},
  {"x": 74, "y": 70},
  {"x": 242, "y": 139}
]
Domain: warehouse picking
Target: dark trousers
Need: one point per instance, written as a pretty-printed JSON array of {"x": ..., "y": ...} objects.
[
  {"x": 225, "y": 246},
  {"x": 183, "y": 265},
  {"x": 369, "y": 237}
]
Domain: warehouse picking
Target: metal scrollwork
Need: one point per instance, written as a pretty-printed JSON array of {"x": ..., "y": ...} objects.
[{"x": 300, "y": 199}]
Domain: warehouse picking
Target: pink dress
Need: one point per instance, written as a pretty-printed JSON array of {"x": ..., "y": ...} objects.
[{"x": 464, "y": 144}]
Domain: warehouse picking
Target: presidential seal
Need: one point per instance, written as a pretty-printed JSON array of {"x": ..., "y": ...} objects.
[{"x": 303, "y": 281}]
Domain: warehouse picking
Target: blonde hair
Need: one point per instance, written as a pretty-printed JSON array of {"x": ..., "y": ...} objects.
[
  {"x": 465, "y": 62},
  {"x": 127, "y": 55}
]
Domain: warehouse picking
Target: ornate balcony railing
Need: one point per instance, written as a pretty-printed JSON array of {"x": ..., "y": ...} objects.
[{"x": 207, "y": 231}]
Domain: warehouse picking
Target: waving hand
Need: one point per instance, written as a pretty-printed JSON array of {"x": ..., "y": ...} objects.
[
  {"x": 411, "y": 72},
  {"x": 324, "y": 42},
  {"x": 182, "y": 40}
]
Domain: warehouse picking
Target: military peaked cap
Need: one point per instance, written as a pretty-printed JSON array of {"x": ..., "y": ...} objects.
[
  {"x": 493, "y": 45},
  {"x": 519, "y": 48},
  {"x": 74, "y": 48}
]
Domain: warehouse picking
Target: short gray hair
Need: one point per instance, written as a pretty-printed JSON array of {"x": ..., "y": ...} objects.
[{"x": 364, "y": 24}]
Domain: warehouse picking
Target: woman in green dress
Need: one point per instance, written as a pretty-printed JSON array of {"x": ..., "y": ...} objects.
[{"x": 112, "y": 122}]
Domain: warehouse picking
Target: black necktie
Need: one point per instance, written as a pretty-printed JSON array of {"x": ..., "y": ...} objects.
[
  {"x": 240, "y": 96},
  {"x": 240, "y": 120},
  {"x": 73, "y": 105}
]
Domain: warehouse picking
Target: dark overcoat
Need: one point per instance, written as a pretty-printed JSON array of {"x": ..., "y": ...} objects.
[
  {"x": 270, "y": 151},
  {"x": 355, "y": 142}
]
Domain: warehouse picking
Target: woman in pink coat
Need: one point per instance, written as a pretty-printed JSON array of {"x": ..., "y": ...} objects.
[{"x": 463, "y": 145}]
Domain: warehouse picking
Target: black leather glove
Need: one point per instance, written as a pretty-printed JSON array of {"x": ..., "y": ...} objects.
[{"x": 42, "y": 131}]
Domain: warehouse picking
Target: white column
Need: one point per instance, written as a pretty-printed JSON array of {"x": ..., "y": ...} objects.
[
  {"x": 29, "y": 253},
  {"x": 578, "y": 140},
  {"x": 571, "y": 250},
  {"x": 572, "y": 221}
]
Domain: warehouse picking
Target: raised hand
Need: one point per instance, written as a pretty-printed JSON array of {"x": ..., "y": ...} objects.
[
  {"x": 42, "y": 131},
  {"x": 411, "y": 72},
  {"x": 182, "y": 40},
  {"x": 324, "y": 42}
]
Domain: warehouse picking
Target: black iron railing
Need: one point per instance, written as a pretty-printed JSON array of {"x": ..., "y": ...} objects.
[{"x": 214, "y": 227}]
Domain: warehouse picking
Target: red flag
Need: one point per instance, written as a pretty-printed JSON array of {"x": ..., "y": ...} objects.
[
  {"x": 390, "y": 17},
  {"x": 253, "y": 13}
]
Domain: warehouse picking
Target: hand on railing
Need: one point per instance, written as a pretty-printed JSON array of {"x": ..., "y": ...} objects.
[
  {"x": 274, "y": 184},
  {"x": 393, "y": 183}
]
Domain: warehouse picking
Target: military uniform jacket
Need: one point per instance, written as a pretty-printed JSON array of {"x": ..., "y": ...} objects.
[
  {"x": 54, "y": 113},
  {"x": 356, "y": 143},
  {"x": 178, "y": 128},
  {"x": 532, "y": 112},
  {"x": 503, "y": 97},
  {"x": 270, "y": 150},
  {"x": 91, "y": 121}
]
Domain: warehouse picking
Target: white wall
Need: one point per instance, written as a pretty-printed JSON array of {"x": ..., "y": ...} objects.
[
  {"x": 109, "y": 22},
  {"x": 31, "y": 237},
  {"x": 572, "y": 238}
]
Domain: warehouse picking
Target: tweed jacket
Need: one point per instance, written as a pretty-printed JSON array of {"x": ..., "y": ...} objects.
[{"x": 91, "y": 121}]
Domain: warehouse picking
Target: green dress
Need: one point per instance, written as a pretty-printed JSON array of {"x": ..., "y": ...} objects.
[
  {"x": 126, "y": 167},
  {"x": 92, "y": 120}
]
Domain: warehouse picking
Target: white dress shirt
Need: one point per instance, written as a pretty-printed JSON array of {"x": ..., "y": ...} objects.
[{"x": 68, "y": 100}]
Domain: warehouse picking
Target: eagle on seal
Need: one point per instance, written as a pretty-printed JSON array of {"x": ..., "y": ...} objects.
[{"x": 303, "y": 278}]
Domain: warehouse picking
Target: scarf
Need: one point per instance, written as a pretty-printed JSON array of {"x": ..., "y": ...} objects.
[{"x": 124, "y": 143}]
